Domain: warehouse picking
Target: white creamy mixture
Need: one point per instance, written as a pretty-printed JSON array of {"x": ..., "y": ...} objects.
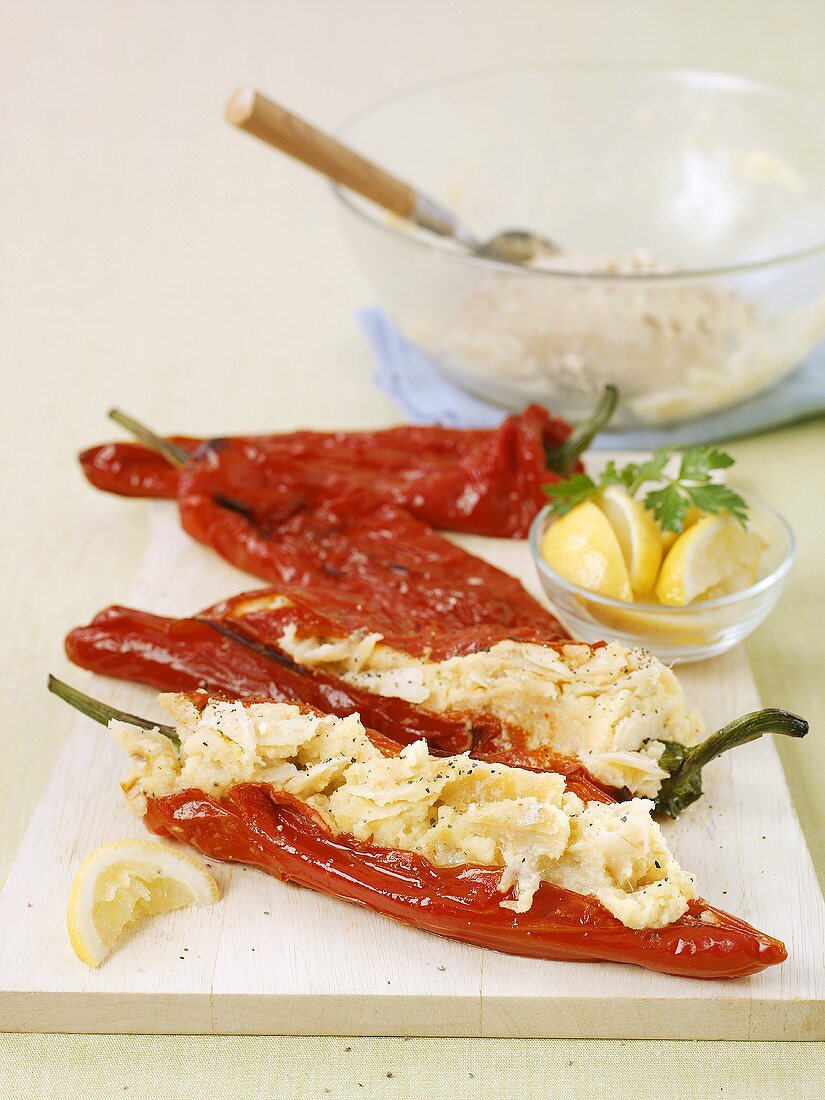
[
  {"x": 452, "y": 810},
  {"x": 610, "y": 707},
  {"x": 675, "y": 349}
]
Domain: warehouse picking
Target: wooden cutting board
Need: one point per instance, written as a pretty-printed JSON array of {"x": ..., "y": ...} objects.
[{"x": 273, "y": 958}]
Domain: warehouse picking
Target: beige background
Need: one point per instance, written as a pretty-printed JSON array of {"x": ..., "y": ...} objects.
[{"x": 151, "y": 257}]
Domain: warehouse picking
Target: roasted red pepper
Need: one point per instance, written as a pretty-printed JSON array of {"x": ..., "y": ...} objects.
[
  {"x": 255, "y": 823},
  {"x": 481, "y": 481}
]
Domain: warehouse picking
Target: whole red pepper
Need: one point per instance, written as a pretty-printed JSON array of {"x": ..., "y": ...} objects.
[{"x": 480, "y": 481}]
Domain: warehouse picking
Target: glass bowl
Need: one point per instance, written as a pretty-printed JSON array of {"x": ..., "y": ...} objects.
[
  {"x": 676, "y": 635},
  {"x": 719, "y": 179}
]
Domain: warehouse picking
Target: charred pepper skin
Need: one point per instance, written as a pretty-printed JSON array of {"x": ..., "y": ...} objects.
[
  {"x": 479, "y": 481},
  {"x": 274, "y": 832},
  {"x": 347, "y": 546},
  {"x": 469, "y": 607}
]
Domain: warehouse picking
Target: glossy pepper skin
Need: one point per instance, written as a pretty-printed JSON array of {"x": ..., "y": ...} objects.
[
  {"x": 257, "y": 825},
  {"x": 344, "y": 543},
  {"x": 480, "y": 481},
  {"x": 190, "y": 654},
  {"x": 474, "y": 607}
]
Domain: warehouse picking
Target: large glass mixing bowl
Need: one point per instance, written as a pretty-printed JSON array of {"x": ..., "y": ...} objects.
[{"x": 699, "y": 196}]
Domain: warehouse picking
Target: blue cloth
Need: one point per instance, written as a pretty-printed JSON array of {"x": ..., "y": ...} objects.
[{"x": 413, "y": 382}]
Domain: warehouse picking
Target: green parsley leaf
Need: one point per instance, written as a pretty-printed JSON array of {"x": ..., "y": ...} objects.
[
  {"x": 565, "y": 495},
  {"x": 652, "y": 469},
  {"x": 629, "y": 475},
  {"x": 697, "y": 462},
  {"x": 718, "y": 498},
  {"x": 610, "y": 475},
  {"x": 669, "y": 507}
]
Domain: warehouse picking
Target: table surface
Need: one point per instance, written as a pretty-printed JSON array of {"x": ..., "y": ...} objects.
[{"x": 153, "y": 258}]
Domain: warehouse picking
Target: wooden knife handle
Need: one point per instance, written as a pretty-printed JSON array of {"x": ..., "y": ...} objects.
[{"x": 253, "y": 112}]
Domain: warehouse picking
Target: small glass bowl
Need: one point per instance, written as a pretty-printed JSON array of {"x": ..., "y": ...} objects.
[{"x": 676, "y": 635}]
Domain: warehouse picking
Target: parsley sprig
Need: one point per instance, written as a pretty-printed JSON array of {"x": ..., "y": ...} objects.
[{"x": 693, "y": 486}]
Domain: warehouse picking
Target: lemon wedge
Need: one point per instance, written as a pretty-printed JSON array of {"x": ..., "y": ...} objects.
[
  {"x": 639, "y": 537},
  {"x": 122, "y": 883},
  {"x": 583, "y": 548},
  {"x": 713, "y": 557}
]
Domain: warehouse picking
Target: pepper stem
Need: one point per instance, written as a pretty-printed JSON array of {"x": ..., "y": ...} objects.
[
  {"x": 173, "y": 454},
  {"x": 102, "y": 712},
  {"x": 684, "y": 764},
  {"x": 563, "y": 458}
]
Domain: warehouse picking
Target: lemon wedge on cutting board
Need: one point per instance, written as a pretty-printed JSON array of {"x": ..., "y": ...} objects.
[
  {"x": 639, "y": 537},
  {"x": 583, "y": 548},
  {"x": 713, "y": 557},
  {"x": 122, "y": 883}
]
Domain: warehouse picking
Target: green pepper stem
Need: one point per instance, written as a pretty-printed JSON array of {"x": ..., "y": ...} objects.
[
  {"x": 102, "y": 712},
  {"x": 563, "y": 458},
  {"x": 173, "y": 454},
  {"x": 684, "y": 764}
]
